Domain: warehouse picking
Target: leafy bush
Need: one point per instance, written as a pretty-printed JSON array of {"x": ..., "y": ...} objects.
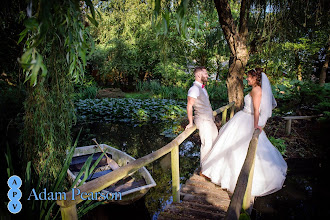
[
  {"x": 172, "y": 74},
  {"x": 303, "y": 97},
  {"x": 161, "y": 91},
  {"x": 85, "y": 92},
  {"x": 279, "y": 144},
  {"x": 218, "y": 91}
]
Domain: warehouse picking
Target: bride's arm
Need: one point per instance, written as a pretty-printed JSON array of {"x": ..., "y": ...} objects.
[{"x": 256, "y": 100}]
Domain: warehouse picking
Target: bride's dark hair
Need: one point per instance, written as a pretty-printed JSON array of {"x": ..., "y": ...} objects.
[{"x": 257, "y": 73}]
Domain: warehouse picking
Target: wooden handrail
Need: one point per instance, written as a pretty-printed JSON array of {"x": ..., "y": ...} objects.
[
  {"x": 68, "y": 207},
  {"x": 242, "y": 194}
]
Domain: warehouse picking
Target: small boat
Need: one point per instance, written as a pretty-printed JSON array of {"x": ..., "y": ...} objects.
[{"x": 131, "y": 188}]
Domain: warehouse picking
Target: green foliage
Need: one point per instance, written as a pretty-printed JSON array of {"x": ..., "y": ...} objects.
[
  {"x": 306, "y": 97},
  {"x": 157, "y": 90},
  {"x": 171, "y": 74},
  {"x": 129, "y": 110},
  {"x": 279, "y": 144},
  {"x": 56, "y": 47},
  {"x": 217, "y": 91},
  {"x": 134, "y": 50},
  {"x": 127, "y": 51},
  {"x": 244, "y": 215},
  {"x": 86, "y": 90},
  {"x": 52, "y": 22},
  {"x": 282, "y": 45}
]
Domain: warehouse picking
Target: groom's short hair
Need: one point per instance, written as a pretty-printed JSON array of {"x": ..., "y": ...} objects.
[{"x": 199, "y": 68}]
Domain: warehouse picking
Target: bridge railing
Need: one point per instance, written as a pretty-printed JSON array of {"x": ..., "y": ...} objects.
[
  {"x": 68, "y": 207},
  {"x": 241, "y": 198}
]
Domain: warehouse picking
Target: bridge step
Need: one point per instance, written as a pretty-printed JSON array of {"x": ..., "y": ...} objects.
[
  {"x": 200, "y": 199},
  {"x": 192, "y": 210}
]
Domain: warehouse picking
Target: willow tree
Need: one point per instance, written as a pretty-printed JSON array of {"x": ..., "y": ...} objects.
[{"x": 56, "y": 43}]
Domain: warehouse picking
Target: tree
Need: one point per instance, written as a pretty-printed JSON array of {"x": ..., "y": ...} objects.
[
  {"x": 290, "y": 37},
  {"x": 323, "y": 74},
  {"x": 237, "y": 42},
  {"x": 236, "y": 37}
]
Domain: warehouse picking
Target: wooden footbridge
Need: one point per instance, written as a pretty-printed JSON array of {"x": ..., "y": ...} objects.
[{"x": 198, "y": 198}]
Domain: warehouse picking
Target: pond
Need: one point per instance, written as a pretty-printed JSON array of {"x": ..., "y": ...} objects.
[{"x": 305, "y": 194}]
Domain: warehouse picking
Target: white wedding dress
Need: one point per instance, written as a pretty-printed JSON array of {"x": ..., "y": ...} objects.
[{"x": 224, "y": 162}]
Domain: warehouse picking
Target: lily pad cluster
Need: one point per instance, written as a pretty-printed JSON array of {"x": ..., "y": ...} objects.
[{"x": 129, "y": 110}]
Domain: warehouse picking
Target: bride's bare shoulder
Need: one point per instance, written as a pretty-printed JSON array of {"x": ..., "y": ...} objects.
[{"x": 256, "y": 91}]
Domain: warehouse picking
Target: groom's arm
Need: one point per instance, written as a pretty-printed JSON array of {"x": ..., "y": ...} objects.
[{"x": 190, "y": 103}]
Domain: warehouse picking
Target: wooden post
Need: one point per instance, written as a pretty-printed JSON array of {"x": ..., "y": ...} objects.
[
  {"x": 175, "y": 174},
  {"x": 288, "y": 127},
  {"x": 69, "y": 213},
  {"x": 232, "y": 111},
  {"x": 224, "y": 117}
]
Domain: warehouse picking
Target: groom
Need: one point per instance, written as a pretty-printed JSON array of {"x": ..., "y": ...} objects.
[{"x": 198, "y": 100}]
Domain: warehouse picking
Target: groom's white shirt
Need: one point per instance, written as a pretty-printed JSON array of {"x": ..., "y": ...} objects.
[
  {"x": 194, "y": 91},
  {"x": 203, "y": 118}
]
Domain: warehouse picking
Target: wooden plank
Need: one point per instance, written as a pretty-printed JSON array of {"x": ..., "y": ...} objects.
[
  {"x": 215, "y": 201},
  {"x": 243, "y": 178},
  {"x": 203, "y": 207},
  {"x": 202, "y": 184},
  {"x": 300, "y": 117},
  {"x": 210, "y": 193},
  {"x": 173, "y": 216},
  {"x": 132, "y": 184},
  {"x": 195, "y": 210},
  {"x": 219, "y": 110}
]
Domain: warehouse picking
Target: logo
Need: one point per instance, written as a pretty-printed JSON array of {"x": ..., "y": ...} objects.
[{"x": 14, "y": 194}]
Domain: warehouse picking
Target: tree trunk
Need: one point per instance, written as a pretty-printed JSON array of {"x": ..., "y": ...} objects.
[
  {"x": 323, "y": 74},
  {"x": 236, "y": 40}
]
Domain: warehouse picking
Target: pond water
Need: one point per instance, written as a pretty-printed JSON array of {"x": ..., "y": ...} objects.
[
  {"x": 305, "y": 188},
  {"x": 305, "y": 194}
]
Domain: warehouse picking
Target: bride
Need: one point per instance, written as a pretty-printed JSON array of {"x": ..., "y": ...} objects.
[{"x": 224, "y": 162}]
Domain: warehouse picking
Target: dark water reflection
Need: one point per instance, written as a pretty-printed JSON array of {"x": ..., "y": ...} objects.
[{"x": 304, "y": 196}]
